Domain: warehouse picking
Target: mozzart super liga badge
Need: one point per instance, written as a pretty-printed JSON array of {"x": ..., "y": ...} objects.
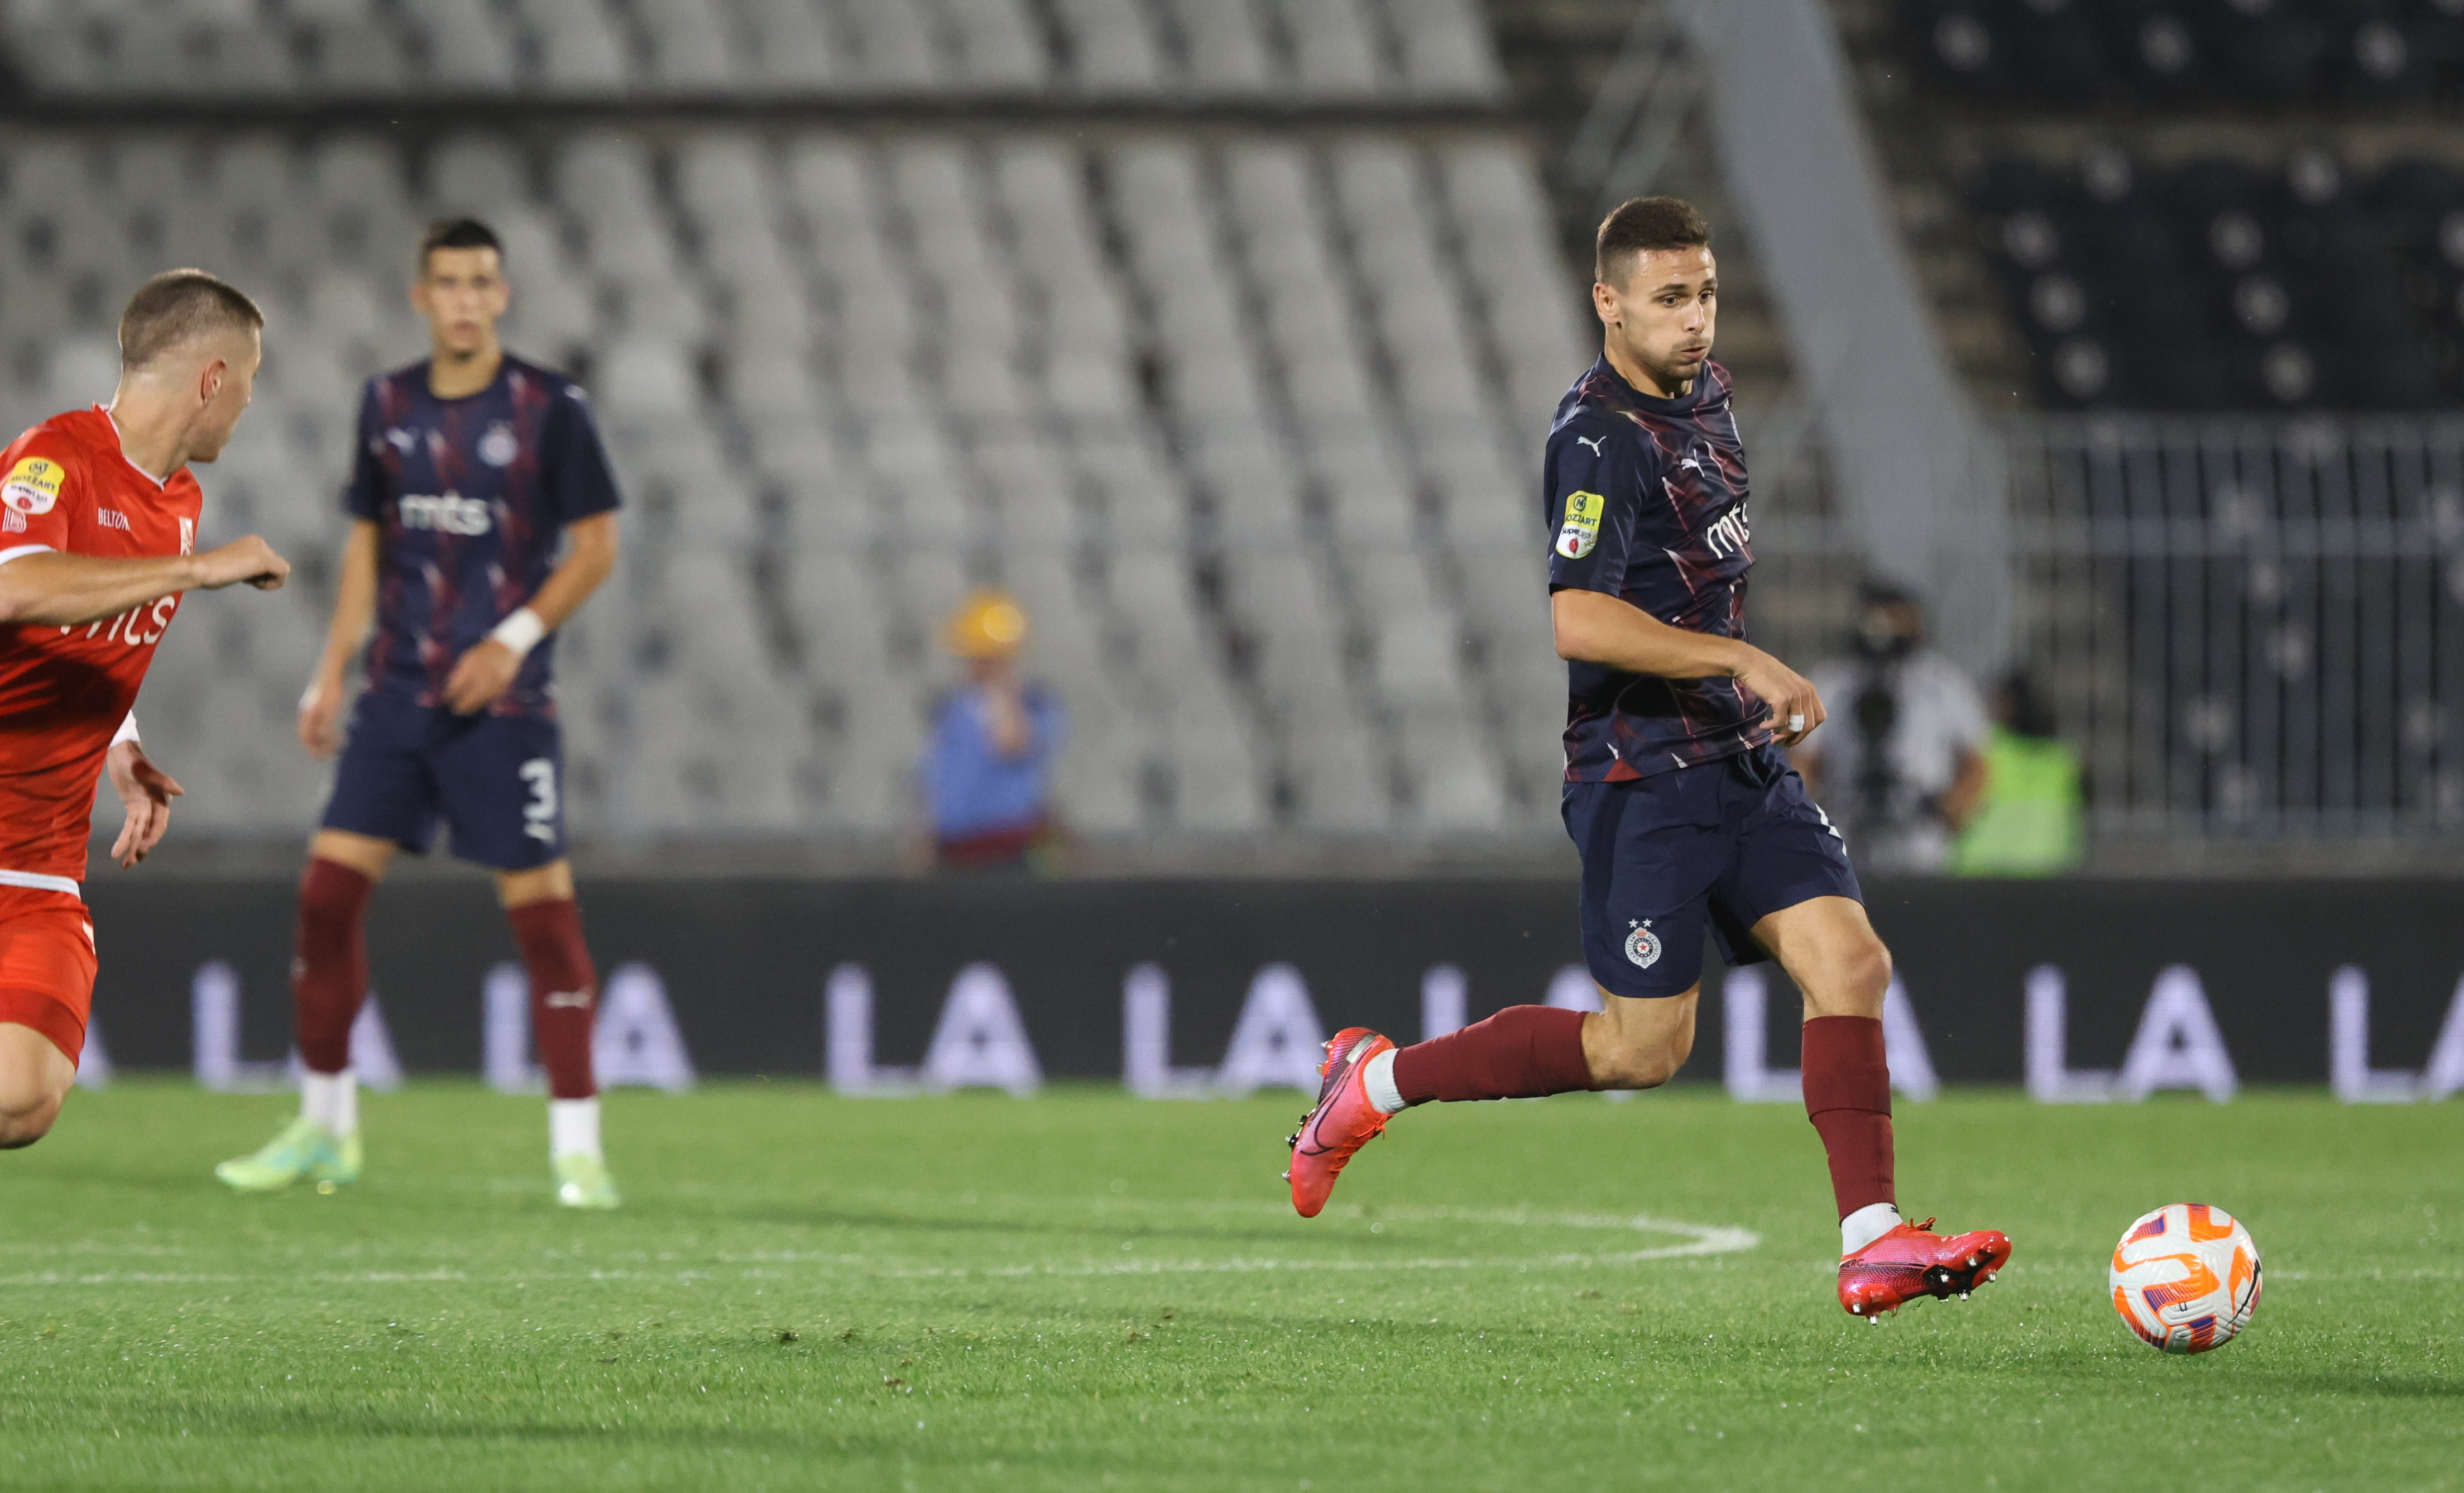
[
  {"x": 1582, "y": 529},
  {"x": 32, "y": 485}
]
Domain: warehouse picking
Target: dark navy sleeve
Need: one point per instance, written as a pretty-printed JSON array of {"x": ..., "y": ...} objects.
[
  {"x": 573, "y": 464},
  {"x": 365, "y": 495},
  {"x": 1593, "y": 486}
]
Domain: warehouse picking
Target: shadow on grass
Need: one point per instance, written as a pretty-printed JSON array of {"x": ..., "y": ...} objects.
[
  {"x": 313, "y": 1432},
  {"x": 821, "y": 1215},
  {"x": 2366, "y": 1385}
]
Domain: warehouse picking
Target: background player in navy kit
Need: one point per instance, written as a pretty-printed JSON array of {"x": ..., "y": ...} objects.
[
  {"x": 1686, "y": 814},
  {"x": 472, "y": 468}
]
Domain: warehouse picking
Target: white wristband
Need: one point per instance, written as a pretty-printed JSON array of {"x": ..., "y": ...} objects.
[
  {"x": 127, "y": 730},
  {"x": 521, "y": 631}
]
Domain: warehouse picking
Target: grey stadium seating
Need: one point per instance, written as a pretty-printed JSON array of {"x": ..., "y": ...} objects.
[
  {"x": 1335, "y": 49},
  {"x": 1245, "y": 417}
]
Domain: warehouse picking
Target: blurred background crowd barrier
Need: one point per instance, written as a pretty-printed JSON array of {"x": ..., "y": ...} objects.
[
  {"x": 2083, "y": 990},
  {"x": 1222, "y": 334}
]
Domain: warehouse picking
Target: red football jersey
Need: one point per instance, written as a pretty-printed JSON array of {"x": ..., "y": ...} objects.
[{"x": 66, "y": 485}]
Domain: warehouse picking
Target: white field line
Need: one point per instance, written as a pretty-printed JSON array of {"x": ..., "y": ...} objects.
[{"x": 1694, "y": 1240}]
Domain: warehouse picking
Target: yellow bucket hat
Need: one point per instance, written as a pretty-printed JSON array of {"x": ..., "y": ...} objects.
[{"x": 987, "y": 624}]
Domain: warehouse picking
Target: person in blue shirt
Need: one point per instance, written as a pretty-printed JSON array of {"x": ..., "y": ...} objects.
[{"x": 986, "y": 777}]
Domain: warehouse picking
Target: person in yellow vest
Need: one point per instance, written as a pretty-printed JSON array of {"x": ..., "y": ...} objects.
[{"x": 2029, "y": 820}]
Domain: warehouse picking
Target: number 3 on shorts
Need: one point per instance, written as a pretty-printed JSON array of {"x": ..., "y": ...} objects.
[{"x": 539, "y": 815}]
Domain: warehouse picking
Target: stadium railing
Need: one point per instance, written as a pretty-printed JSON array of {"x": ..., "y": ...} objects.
[{"x": 2252, "y": 626}]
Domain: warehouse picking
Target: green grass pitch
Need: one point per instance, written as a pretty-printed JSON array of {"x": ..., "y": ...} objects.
[{"x": 1082, "y": 1292}]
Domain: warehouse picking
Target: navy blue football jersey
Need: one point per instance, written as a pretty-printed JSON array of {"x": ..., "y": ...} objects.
[
  {"x": 1646, "y": 501},
  {"x": 471, "y": 495}
]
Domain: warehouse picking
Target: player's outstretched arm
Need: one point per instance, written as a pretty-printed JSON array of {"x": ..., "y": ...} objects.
[
  {"x": 355, "y": 609},
  {"x": 49, "y": 589},
  {"x": 488, "y": 670},
  {"x": 1595, "y": 627}
]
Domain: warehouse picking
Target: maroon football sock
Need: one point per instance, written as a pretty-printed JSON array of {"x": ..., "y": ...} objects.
[
  {"x": 1848, "y": 1098},
  {"x": 329, "y": 966},
  {"x": 565, "y": 993},
  {"x": 1522, "y": 1052}
]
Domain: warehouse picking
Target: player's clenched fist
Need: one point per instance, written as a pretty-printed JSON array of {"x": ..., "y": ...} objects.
[
  {"x": 1796, "y": 710},
  {"x": 249, "y": 559}
]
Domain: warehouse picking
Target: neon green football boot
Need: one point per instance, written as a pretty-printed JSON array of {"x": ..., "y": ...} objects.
[
  {"x": 582, "y": 1181},
  {"x": 304, "y": 1149}
]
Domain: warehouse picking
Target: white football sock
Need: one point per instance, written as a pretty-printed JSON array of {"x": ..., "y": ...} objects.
[
  {"x": 1865, "y": 1225},
  {"x": 332, "y": 1100},
  {"x": 573, "y": 1127},
  {"x": 1378, "y": 1079}
]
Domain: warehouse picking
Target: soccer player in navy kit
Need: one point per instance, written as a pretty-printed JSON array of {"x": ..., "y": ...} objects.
[
  {"x": 473, "y": 468},
  {"x": 1676, "y": 793}
]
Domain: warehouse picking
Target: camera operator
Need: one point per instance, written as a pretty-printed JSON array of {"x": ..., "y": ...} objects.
[{"x": 1900, "y": 766}]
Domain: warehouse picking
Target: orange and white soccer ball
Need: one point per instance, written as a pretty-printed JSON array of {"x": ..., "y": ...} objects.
[{"x": 2186, "y": 1278}]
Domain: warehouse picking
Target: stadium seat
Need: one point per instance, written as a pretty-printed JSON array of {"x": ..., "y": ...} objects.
[
  {"x": 578, "y": 44},
  {"x": 791, "y": 46},
  {"x": 893, "y": 45},
  {"x": 1227, "y": 50},
  {"x": 1334, "y": 46},
  {"x": 466, "y": 47},
  {"x": 1444, "y": 47},
  {"x": 1217, "y": 788},
  {"x": 1112, "y": 44},
  {"x": 690, "y": 50}
]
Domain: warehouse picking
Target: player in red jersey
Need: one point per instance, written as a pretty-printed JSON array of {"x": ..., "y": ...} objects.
[
  {"x": 1686, "y": 813},
  {"x": 98, "y": 540}
]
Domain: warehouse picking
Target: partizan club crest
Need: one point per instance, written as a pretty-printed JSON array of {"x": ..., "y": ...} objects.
[{"x": 1642, "y": 946}]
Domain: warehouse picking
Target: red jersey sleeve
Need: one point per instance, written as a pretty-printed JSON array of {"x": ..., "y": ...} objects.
[{"x": 37, "y": 493}]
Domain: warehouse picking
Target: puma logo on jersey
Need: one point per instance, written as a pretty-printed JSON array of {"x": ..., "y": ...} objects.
[
  {"x": 449, "y": 513},
  {"x": 1597, "y": 443}
]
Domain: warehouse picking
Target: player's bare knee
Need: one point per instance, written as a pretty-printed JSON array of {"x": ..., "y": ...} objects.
[
  {"x": 19, "y": 1131},
  {"x": 1868, "y": 971},
  {"x": 24, "y": 1121},
  {"x": 1853, "y": 982}
]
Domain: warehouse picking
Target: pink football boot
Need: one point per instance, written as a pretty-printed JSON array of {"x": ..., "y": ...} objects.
[
  {"x": 1343, "y": 1122},
  {"x": 1912, "y": 1261}
]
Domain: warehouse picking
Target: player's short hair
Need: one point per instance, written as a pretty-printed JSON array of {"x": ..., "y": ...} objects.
[
  {"x": 458, "y": 234},
  {"x": 178, "y": 307},
  {"x": 1640, "y": 225}
]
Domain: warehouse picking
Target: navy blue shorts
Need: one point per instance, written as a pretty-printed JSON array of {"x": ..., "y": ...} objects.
[
  {"x": 496, "y": 781},
  {"x": 1725, "y": 844}
]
